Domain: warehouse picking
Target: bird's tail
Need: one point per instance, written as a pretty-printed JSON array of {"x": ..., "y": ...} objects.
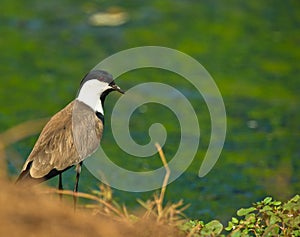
[{"x": 25, "y": 178}]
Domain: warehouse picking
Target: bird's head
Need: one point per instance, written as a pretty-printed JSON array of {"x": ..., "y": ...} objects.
[{"x": 94, "y": 88}]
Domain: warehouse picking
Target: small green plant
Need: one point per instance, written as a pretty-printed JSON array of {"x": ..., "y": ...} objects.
[
  {"x": 197, "y": 228},
  {"x": 267, "y": 218}
]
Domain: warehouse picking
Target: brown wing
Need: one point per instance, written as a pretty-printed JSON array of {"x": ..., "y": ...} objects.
[{"x": 55, "y": 149}]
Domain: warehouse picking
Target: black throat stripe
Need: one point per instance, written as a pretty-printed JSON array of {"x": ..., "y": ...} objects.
[{"x": 100, "y": 116}]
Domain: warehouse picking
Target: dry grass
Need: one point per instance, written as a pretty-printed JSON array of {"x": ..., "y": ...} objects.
[
  {"x": 154, "y": 208},
  {"x": 171, "y": 213}
]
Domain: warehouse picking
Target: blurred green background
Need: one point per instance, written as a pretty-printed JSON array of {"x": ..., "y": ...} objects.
[{"x": 251, "y": 49}]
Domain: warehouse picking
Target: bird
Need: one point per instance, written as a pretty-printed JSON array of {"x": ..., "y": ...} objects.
[{"x": 72, "y": 134}]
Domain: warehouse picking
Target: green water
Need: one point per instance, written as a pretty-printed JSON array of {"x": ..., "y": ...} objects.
[{"x": 250, "y": 48}]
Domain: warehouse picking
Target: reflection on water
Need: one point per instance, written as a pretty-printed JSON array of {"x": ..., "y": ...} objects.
[{"x": 112, "y": 17}]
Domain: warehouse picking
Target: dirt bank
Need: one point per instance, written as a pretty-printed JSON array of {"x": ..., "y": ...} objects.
[{"x": 27, "y": 212}]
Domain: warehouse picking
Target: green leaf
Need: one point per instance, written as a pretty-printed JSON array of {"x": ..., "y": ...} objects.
[
  {"x": 296, "y": 221},
  {"x": 189, "y": 225},
  {"x": 245, "y": 232},
  {"x": 276, "y": 203},
  {"x": 236, "y": 234},
  {"x": 267, "y": 200},
  {"x": 230, "y": 226},
  {"x": 245, "y": 211},
  {"x": 295, "y": 199},
  {"x": 251, "y": 218},
  {"x": 213, "y": 227},
  {"x": 274, "y": 219},
  {"x": 266, "y": 208},
  {"x": 291, "y": 206},
  {"x": 272, "y": 230},
  {"x": 296, "y": 233},
  {"x": 234, "y": 220}
]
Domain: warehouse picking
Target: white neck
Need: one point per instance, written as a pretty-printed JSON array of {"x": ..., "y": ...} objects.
[{"x": 90, "y": 94}]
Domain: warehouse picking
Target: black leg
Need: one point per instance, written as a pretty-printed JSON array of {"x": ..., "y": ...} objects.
[
  {"x": 78, "y": 170},
  {"x": 60, "y": 185}
]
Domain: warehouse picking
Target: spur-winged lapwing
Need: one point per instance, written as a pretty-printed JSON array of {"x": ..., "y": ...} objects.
[{"x": 72, "y": 134}]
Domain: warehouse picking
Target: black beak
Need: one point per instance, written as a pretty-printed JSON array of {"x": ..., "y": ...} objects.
[{"x": 116, "y": 88}]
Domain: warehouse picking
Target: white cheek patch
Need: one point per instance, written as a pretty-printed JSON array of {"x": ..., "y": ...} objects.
[{"x": 90, "y": 94}]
